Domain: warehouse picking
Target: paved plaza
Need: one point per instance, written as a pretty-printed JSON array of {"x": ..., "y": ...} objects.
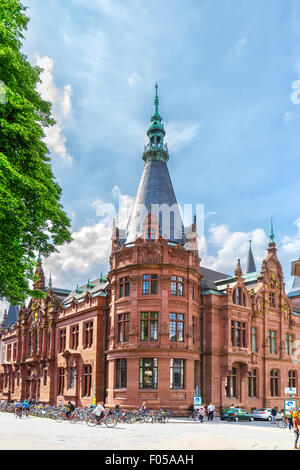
[{"x": 45, "y": 434}]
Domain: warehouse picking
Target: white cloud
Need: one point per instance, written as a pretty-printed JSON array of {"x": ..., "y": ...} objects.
[
  {"x": 291, "y": 245},
  {"x": 180, "y": 134},
  {"x": 134, "y": 79},
  {"x": 61, "y": 106},
  {"x": 288, "y": 116},
  {"x": 90, "y": 249},
  {"x": 230, "y": 246}
]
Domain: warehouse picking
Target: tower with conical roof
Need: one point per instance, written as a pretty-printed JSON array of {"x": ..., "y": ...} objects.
[
  {"x": 155, "y": 191},
  {"x": 154, "y": 290}
]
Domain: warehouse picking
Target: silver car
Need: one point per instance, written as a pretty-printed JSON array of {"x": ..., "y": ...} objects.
[{"x": 265, "y": 413}]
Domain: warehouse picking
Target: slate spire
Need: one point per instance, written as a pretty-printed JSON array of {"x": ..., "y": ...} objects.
[
  {"x": 155, "y": 191},
  {"x": 250, "y": 265}
]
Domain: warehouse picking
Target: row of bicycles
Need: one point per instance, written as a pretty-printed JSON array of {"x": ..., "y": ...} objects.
[{"x": 109, "y": 418}]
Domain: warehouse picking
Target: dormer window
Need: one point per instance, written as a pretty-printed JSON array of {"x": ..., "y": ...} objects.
[{"x": 238, "y": 297}]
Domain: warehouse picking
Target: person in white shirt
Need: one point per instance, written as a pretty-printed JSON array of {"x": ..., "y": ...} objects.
[
  {"x": 99, "y": 411},
  {"x": 211, "y": 408}
]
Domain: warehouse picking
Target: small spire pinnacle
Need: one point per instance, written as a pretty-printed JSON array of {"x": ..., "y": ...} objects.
[
  {"x": 272, "y": 236},
  {"x": 250, "y": 266},
  {"x": 156, "y": 149},
  {"x": 50, "y": 281},
  {"x": 238, "y": 270}
]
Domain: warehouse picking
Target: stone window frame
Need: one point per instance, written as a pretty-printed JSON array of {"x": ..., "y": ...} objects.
[
  {"x": 275, "y": 383},
  {"x": 239, "y": 297},
  {"x": 238, "y": 331},
  {"x": 149, "y": 284},
  {"x": 177, "y": 320},
  {"x": 256, "y": 338},
  {"x": 88, "y": 334},
  {"x": 231, "y": 389},
  {"x": 272, "y": 299},
  {"x": 150, "y": 319},
  {"x": 8, "y": 352},
  {"x": 289, "y": 339},
  {"x": 272, "y": 341},
  {"x": 74, "y": 336},
  {"x": 123, "y": 322},
  {"x": 177, "y": 286},
  {"x": 72, "y": 378},
  {"x": 253, "y": 383},
  {"x": 121, "y": 373},
  {"x": 87, "y": 375},
  {"x": 182, "y": 367},
  {"x": 292, "y": 378},
  {"x": 143, "y": 375},
  {"x": 62, "y": 339},
  {"x": 124, "y": 287},
  {"x": 61, "y": 380}
]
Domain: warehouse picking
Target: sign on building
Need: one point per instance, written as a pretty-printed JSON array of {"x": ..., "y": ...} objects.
[
  {"x": 290, "y": 405},
  {"x": 197, "y": 402},
  {"x": 290, "y": 391}
]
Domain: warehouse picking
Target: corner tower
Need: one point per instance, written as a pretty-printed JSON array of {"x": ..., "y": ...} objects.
[{"x": 153, "y": 346}]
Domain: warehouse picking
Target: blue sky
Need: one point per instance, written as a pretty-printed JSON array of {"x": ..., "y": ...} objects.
[{"x": 225, "y": 70}]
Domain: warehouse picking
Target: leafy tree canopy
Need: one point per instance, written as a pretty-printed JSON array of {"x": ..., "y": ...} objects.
[{"x": 32, "y": 219}]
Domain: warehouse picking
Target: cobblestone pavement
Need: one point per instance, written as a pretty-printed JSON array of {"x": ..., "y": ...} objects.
[{"x": 44, "y": 434}]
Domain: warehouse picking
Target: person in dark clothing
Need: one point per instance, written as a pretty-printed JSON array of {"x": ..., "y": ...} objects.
[
  {"x": 69, "y": 408},
  {"x": 192, "y": 412},
  {"x": 273, "y": 415}
]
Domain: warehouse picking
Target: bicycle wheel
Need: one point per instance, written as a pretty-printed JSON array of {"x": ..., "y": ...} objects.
[
  {"x": 110, "y": 422},
  {"x": 282, "y": 424},
  {"x": 91, "y": 421}
]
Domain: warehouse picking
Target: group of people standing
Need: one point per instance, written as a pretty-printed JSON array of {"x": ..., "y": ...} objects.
[{"x": 199, "y": 413}]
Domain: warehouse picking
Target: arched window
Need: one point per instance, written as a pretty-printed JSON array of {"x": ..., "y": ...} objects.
[{"x": 239, "y": 297}]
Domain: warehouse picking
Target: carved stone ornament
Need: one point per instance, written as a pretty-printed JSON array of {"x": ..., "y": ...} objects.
[
  {"x": 124, "y": 255},
  {"x": 151, "y": 254}
]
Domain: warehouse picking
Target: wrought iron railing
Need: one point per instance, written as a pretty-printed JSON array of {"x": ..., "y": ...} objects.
[{"x": 156, "y": 147}]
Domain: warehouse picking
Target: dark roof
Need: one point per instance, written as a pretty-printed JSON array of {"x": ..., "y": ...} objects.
[
  {"x": 250, "y": 266},
  {"x": 155, "y": 189},
  {"x": 209, "y": 278},
  {"x": 12, "y": 316}
]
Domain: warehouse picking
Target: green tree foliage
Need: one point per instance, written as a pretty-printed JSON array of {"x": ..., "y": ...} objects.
[{"x": 31, "y": 216}]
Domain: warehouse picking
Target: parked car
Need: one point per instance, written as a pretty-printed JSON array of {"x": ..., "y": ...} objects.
[
  {"x": 236, "y": 414},
  {"x": 265, "y": 414}
]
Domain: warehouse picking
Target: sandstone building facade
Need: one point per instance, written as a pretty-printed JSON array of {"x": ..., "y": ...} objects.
[{"x": 159, "y": 327}]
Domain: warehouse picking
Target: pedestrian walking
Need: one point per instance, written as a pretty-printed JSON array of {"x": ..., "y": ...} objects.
[
  {"x": 296, "y": 427},
  {"x": 201, "y": 414},
  {"x": 290, "y": 420},
  {"x": 192, "y": 412},
  {"x": 273, "y": 415},
  {"x": 211, "y": 409}
]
